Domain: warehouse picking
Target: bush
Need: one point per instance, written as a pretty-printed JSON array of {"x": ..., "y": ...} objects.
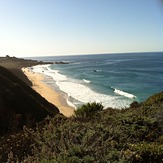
[
  {"x": 88, "y": 110},
  {"x": 134, "y": 104},
  {"x": 110, "y": 136}
]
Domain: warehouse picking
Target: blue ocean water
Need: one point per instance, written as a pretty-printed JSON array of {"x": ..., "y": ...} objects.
[{"x": 115, "y": 80}]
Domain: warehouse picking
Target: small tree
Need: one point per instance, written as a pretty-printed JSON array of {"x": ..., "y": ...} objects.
[{"x": 89, "y": 110}]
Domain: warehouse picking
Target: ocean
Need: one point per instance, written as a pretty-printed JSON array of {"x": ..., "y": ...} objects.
[{"x": 115, "y": 80}]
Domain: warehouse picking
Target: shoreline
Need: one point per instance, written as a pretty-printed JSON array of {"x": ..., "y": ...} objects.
[{"x": 50, "y": 94}]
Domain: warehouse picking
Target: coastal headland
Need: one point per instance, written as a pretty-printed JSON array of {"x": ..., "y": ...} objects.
[{"x": 34, "y": 80}]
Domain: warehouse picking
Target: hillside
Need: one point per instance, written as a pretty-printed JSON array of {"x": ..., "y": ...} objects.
[
  {"x": 15, "y": 64},
  {"x": 93, "y": 135},
  {"x": 19, "y": 104}
]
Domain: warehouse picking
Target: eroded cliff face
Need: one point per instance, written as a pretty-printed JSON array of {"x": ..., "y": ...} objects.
[{"x": 19, "y": 104}]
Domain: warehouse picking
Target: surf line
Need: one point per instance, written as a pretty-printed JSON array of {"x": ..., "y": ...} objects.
[
  {"x": 86, "y": 81},
  {"x": 124, "y": 93}
]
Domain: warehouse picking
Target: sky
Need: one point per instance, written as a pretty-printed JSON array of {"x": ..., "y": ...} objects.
[{"x": 63, "y": 27}]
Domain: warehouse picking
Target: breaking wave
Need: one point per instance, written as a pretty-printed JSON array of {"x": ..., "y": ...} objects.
[
  {"x": 86, "y": 81},
  {"x": 79, "y": 92},
  {"x": 124, "y": 93}
]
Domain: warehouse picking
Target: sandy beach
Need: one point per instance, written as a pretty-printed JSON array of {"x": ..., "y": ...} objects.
[{"x": 49, "y": 93}]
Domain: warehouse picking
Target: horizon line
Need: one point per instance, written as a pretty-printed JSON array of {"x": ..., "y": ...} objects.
[{"x": 92, "y": 54}]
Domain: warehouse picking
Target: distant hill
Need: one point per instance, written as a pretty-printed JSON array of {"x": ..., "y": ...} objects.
[
  {"x": 15, "y": 64},
  {"x": 19, "y": 104}
]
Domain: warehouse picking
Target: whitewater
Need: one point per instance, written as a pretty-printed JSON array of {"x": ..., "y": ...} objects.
[
  {"x": 77, "y": 92},
  {"x": 114, "y": 80}
]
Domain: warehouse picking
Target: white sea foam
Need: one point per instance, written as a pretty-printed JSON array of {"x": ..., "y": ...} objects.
[
  {"x": 39, "y": 68},
  {"x": 86, "y": 81},
  {"x": 75, "y": 89},
  {"x": 70, "y": 104},
  {"x": 85, "y": 94},
  {"x": 97, "y": 70},
  {"x": 45, "y": 69},
  {"x": 124, "y": 93}
]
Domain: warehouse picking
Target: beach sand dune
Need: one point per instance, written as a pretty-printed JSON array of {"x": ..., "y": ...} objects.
[{"x": 49, "y": 93}]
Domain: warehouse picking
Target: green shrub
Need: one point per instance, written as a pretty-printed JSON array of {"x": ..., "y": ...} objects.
[
  {"x": 94, "y": 135},
  {"x": 134, "y": 104},
  {"x": 88, "y": 110},
  {"x": 147, "y": 152}
]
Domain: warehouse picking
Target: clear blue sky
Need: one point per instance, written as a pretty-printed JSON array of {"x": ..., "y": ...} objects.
[{"x": 56, "y": 27}]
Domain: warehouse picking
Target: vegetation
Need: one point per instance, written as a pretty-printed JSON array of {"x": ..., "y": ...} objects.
[
  {"x": 15, "y": 64},
  {"x": 91, "y": 135},
  {"x": 88, "y": 110},
  {"x": 129, "y": 135},
  {"x": 19, "y": 104}
]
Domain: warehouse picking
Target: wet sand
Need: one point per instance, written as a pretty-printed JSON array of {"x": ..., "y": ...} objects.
[{"x": 50, "y": 94}]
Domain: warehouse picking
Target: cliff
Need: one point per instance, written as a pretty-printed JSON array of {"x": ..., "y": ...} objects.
[{"x": 19, "y": 104}]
